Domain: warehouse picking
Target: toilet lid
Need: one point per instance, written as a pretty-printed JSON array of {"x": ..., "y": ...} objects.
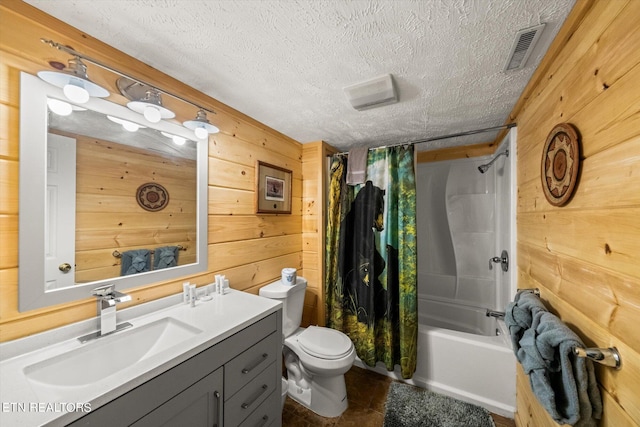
[{"x": 324, "y": 343}]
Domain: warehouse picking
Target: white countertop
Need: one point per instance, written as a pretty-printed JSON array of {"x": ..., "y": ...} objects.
[{"x": 218, "y": 319}]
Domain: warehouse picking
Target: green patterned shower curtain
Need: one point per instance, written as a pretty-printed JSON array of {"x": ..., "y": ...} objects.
[{"x": 371, "y": 258}]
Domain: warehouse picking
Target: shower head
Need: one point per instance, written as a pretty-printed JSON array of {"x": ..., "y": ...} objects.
[{"x": 485, "y": 167}]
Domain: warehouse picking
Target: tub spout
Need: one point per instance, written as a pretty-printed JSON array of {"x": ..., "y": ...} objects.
[{"x": 494, "y": 313}]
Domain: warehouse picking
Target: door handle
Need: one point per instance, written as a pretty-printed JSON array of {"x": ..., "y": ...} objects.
[
  {"x": 218, "y": 398},
  {"x": 65, "y": 267}
]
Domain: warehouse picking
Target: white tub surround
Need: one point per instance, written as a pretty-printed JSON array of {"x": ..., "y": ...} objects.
[
  {"x": 474, "y": 368},
  {"x": 478, "y": 369},
  {"x": 206, "y": 324}
]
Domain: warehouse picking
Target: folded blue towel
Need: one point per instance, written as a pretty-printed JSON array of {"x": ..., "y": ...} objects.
[
  {"x": 519, "y": 315},
  {"x": 564, "y": 384},
  {"x": 135, "y": 261},
  {"x": 164, "y": 257}
]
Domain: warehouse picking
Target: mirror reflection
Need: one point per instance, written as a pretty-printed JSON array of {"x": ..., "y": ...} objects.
[
  {"x": 119, "y": 202},
  {"x": 106, "y": 197}
]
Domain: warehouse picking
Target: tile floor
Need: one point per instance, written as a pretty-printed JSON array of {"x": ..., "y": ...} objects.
[{"x": 367, "y": 393}]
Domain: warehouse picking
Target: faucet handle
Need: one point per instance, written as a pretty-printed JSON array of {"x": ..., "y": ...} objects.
[
  {"x": 108, "y": 293},
  {"x": 120, "y": 297},
  {"x": 103, "y": 291}
]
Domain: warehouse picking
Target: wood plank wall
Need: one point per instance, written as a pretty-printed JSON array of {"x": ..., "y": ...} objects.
[
  {"x": 314, "y": 174},
  {"x": 250, "y": 249},
  {"x": 585, "y": 256},
  {"x": 459, "y": 152}
]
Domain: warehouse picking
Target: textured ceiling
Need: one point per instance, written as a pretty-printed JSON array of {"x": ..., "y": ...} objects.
[{"x": 286, "y": 62}]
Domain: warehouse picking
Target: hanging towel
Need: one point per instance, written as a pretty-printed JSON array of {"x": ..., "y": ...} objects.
[
  {"x": 135, "y": 261},
  {"x": 564, "y": 384},
  {"x": 164, "y": 257},
  {"x": 519, "y": 315},
  {"x": 357, "y": 166}
]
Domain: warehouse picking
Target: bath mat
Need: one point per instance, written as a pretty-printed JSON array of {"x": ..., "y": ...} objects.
[{"x": 409, "y": 406}]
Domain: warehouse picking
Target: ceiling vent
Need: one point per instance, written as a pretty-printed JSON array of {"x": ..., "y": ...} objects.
[
  {"x": 522, "y": 47},
  {"x": 372, "y": 93}
]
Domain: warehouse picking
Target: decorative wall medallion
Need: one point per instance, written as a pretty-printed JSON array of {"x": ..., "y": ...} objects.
[
  {"x": 560, "y": 164},
  {"x": 152, "y": 197}
]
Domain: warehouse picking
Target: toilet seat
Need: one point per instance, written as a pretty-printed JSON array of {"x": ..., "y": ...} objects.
[{"x": 324, "y": 343}]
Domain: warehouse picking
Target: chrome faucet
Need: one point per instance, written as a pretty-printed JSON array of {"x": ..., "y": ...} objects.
[{"x": 107, "y": 300}]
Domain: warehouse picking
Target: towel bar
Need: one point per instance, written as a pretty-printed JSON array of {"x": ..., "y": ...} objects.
[
  {"x": 117, "y": 253},
  {"x": 605, "y": 356}
]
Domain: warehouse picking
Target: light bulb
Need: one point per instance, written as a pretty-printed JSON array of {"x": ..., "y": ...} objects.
[
  {"x": 126, "y": 124},
  {"x": 75, "y": 91},
  {"x": 178, "y": 140},
  {"x": 152, "y": 114},
  {"x": 201, "y": 132},
  {"x": 130, "y": 126},
  {"x": 61, "y": 108}
]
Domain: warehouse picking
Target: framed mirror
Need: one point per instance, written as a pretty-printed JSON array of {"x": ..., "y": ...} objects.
[{"x": 100, "y": 204}]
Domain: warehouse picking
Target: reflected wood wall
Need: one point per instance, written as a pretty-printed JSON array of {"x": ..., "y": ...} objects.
[
  {"x": 108, "y": 216},
  {"x": 585, "y": 256},
  {"x": 250, "y": 249}
]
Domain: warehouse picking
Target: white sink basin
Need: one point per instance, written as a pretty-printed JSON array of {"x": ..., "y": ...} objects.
[{"x": 106, "y": 356}]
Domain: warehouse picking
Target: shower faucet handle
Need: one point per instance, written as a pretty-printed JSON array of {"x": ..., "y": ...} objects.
[{"x": 503, "y": 260}]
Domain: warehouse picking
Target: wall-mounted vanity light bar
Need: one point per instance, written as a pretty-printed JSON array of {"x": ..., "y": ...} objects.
[{"x": 144, "y": 97}]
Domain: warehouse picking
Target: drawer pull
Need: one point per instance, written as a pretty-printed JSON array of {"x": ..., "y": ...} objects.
[
  {"x": 247, "y": 404},
  {"x": 256, "y": 364},
  {"x": 265, "y": 420},
  {"x": 216, "y": 394}
]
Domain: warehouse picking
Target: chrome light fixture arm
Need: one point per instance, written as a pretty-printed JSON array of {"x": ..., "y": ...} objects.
[{"x": 101, "y": 64}]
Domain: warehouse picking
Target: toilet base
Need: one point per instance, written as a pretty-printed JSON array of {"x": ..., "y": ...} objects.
[{"x": 327, "y": 396}]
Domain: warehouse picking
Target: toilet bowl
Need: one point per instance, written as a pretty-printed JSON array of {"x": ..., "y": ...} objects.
[
  {"x": 316, "y": 358},
  {"x": 316, "y": 378}
]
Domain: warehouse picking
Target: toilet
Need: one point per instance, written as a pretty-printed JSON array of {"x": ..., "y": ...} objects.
[{"x": 316, "y": 358}]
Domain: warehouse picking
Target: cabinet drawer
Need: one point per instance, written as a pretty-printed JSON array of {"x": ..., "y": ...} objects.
[
  {"x": 266, "y": 413},
  {"x": 244, "y": 368},
  {"x": 245, "y": 401}
]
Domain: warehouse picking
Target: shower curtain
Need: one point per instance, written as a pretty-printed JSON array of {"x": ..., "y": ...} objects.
[{"x": 371, "y": 258}]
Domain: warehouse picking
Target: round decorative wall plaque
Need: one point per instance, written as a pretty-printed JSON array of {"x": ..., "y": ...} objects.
[
  {"x": 152, "y": 197},
  {"x": 560, "y": 164}
]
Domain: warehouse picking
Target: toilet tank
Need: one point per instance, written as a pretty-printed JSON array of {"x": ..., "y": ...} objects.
[{"x": 292, "y": 298}]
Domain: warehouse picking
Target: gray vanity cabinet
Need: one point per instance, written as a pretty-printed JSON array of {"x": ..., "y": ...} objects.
[
  {"x": 197, "y": 406},
  {"x": 233, "y": 383}
]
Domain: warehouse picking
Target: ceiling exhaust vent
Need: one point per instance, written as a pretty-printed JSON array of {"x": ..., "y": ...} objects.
[
  {"x": 522, "y": 47},
  {"x": 372, "y": 93}
]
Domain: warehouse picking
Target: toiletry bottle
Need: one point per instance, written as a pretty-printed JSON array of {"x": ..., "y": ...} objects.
[
  {"x": 193, "y": 294},
  {"x": 186, "y": 296}
]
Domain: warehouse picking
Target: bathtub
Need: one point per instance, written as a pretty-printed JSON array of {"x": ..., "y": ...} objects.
[{"x": 478, "y": 369}]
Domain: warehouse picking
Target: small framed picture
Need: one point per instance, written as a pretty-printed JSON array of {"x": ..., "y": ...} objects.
[{"x": 273, "y": 189}]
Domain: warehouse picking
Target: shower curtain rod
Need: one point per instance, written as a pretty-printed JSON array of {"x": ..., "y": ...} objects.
[{"x": 436, "y": 138}]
